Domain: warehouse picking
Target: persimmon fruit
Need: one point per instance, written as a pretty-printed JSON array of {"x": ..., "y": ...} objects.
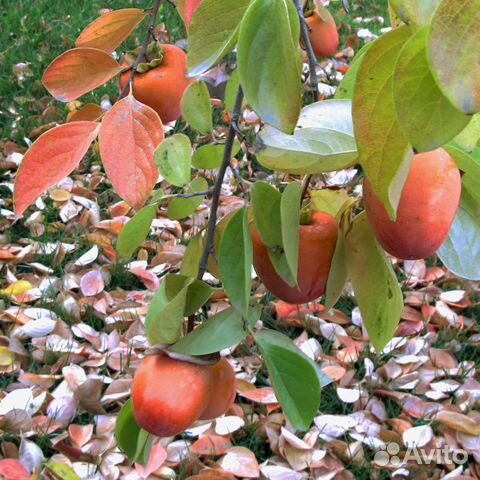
[
  {"x": 317, "y": 241},
  {"x": 162, "y": 87},
  {"x": 428, "y": 204},
  {"x": 323, "y": 33},
  {"x": 169, "y": 395},
  {"x": 223, "y": 390}
]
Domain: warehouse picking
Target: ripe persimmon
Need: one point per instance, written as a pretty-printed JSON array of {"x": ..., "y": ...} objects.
[
  {"x": 427, "y": 207},
  {"x": 223, "y": 390},
  {"x": 316, "y": 248},
  {"x": 323, "y": 33},
  {"x": 161, "y": 87},
  {"x": 169, "y": 395}
]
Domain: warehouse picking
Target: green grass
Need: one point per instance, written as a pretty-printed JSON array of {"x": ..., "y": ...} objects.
[
  {"x": 35, "y": 32},
  {"x": 361, "y": 8},
  {"x": 249, "y": 437}
]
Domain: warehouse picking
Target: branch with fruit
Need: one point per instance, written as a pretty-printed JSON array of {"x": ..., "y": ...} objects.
[{"x": 403, "y": 122}]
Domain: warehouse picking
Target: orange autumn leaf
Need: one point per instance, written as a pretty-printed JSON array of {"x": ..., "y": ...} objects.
[
  {"x": 79, "y": 71},
  {"x": 128, "y": 137},
  {"x": 52, "y": 157},
  {"x": 264, "y": 395},
  {"x": 88, "y": 113},
  {"x": 214, "y": 445},
  {"x": 111, "y": 29}
]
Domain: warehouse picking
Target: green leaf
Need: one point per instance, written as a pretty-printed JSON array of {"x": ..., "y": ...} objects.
[
  {"x": 196, "y": 107},
  {"x": 180, "y": 208},
  {"x": 376, "y": 287},
  {"x": 266, "y": 214},
  {"x": 192, "y": 256},
  {"x": 135, "y": 231},
  {"x": 164, "y": 320},
  {"x": 426, "y": 116},
  {"x": 213, "y": 33},
  {"x": 281, "y": 266},
  {"x": 235, "y": 260},
  {"x": 231, "y": 90},
  {"x": 61, "y": 471},
  {"x": 157, "y": 197},
  {"x": 173, "y": 158},
  {"x": 210, "y": 156},
  {"x": 197, "y": 295},
  {"x": 461, "y": 250},
  {"x": 269, "y": 64},
  {"x": 223, "y": 330},
  {"x": 454, "y": 54},
  {"x": 338, "y": 275},
  {"x": 131, "y": 438},
  {"x": 464, "y": 160},
  {"x": 472, "y": 184},
  {"x": 323, "y": 142},
  {"x": 414, "y": 12},
  {"x": 293, "y": 377},
  {"x": 469, "y": 138},
  {"x": 219, "y": 229},
  {"x": 334, "y": 202},
  {"x": 384, "y": 152},
  {"x": 347, "y": 86},
  {"x": 144, "y": 447},
  {"x": 290, "y": 220}
]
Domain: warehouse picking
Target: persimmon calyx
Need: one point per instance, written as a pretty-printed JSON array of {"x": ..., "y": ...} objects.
[
  {"x": 152, "y": 58},
  {"x": 306, "y": 215}
]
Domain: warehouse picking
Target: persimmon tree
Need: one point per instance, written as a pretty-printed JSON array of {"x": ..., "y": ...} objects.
[{"x": 415, "y": 89}]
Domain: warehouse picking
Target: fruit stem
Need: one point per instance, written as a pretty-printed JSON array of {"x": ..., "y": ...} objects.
[
  {"x": 143, "y": 51},
  {"x": 312, "y": 60},
  {"x": 306, "y": 215},
  {"x": 227, "y": 154},
  {"x": 306, "y": 184}
]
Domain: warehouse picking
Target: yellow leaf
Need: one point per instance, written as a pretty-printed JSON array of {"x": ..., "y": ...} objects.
[
  {"x": 458, "y": 422},
  {"x": 6, "y": 357},
  {"x": 17, "y": 288}
]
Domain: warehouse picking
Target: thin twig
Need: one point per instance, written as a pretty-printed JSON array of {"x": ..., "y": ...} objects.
[
  {"x": 143, "y": 51},
  {"x": 312, "y": 60},
  {"x": 207, "y": 193},
  {"x": 227, "y": 154}
]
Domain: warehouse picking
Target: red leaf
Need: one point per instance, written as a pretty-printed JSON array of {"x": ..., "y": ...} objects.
[
  {"x": 79, "y": 71},
  {"x": 211, "y": 445},
  {"x": 88, "y": 113},
  {"x": 264, "y": 395},
  {"x": 129, "y": 135},
  {"x": 110, "y": 30},
  {"x": 158, "y": 455},
  {"x": 11, "y": 469},
  {"x": 190, "y": 7},
  {"x": 53, "y": 156}
]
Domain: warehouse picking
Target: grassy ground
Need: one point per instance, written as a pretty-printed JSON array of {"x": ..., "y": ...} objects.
[{"x": 35, "y": 32}]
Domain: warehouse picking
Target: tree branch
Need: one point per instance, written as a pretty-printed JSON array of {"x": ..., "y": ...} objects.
[
  {"x": 227, "y": 154},
  {"x": 143, "y": 51},
  {"x": 312, "y": 60}
]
